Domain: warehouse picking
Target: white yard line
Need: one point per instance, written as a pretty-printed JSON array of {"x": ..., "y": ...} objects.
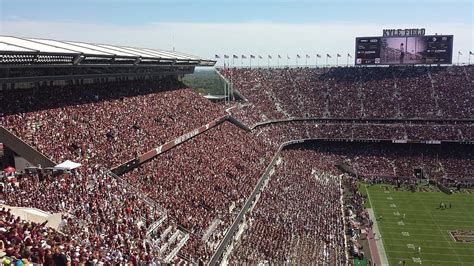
[{"x": 380, "y": 245}]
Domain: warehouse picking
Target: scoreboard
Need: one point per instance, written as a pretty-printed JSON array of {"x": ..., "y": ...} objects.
[{"x": 404, "y": 50}]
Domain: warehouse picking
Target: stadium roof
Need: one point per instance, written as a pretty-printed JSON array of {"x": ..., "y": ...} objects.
[{"x": 33, "y": 51}]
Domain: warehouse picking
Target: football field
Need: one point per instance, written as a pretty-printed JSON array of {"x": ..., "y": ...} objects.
[{"x": 415, "y": 229}]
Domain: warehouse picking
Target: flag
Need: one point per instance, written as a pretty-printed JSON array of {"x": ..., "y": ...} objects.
[
  {"x": 260, "y": 57},
  {"x": 252, "y": 56},
  {"x": 234, "y": 56},
  {"x": 349, "y": 55},
  {"x": 471, "y": 53},
  {"x": 287, "y": 57},
  {"x": 217, "y": 56},
  {"x": 328, "y": 55},
  {"x": 298, "y": 56},
  {"x": 318, "y": 55},
  {"x": 307, "y": 56},
  {"x": 226, "y": 56},
  {"x": 244, "y": 57},
  {"x": 279, "y": 56},
  {"x": 459, "y": 53},
  {"x": 338, "y": 55},
  {"x": 269, "y": 57}
]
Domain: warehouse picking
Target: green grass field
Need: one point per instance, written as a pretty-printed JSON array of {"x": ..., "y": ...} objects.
[{"x": 425, "y": 225}]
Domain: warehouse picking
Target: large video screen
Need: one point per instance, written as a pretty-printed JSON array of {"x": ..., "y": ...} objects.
[{"x": 434, "y": 49}]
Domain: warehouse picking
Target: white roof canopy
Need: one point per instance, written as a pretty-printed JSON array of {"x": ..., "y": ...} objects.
[
  {"x": 77, "y": 52},
  {"x": 11, "y": 48},
  {"x": 72, "y": 47},
  {"x": 67, "y": 165},
  {"x": 34, "y": 46}
]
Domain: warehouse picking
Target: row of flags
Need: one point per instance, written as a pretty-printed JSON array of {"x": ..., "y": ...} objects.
[
  {"x": 297, "y": 56},
  {"x": 279, "y": 56}
]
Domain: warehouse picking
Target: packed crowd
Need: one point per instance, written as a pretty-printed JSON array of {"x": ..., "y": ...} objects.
[
  {"x": 191, "y": 194},
  {"x": 395, "y": 92},
  {"x": 103, "y": 220},
  {"x": 277, "y": 133},
  {"x": 278, "y": 232},
  {"x": 204, "y": 181},
  {"x": 103, "y": 124},
  {"x": 396, "y": 161},
  {"x": 298, "y": 217},
  {"x": 23, "y": 243},
  {"x": 454, "y": 94}
]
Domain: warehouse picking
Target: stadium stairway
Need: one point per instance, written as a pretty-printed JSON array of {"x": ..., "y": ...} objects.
[
  {"x": 166, "y": 238},
  {"x": 24, "y": 150}
]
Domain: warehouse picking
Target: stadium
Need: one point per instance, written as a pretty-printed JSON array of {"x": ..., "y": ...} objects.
[{"x": 119, "y": 155}]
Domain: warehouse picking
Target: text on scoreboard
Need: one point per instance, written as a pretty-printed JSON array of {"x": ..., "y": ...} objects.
[{"x": 433, "y": 49}]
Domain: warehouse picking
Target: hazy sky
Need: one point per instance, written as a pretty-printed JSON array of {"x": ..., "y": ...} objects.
[{"x": 211, "y": 27}]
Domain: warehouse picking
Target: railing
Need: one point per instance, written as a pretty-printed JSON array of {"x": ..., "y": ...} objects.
[
  {"x": 368, "y": 121},
  {"x": 248, "y": 203},
  {"x": 139, "y": 193},
  {"x": 127, "y": 166}
]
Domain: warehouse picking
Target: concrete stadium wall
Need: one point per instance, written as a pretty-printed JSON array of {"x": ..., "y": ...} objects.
[
  {"x": 35, "y": 215},
  {"x": 23, "y": 149}
]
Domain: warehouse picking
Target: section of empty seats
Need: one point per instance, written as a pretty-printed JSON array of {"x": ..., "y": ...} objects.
[
  {"x": 297, "y": 219},
  {"x": 204, "y": 182},
  {"x": 104, "y": 124}
]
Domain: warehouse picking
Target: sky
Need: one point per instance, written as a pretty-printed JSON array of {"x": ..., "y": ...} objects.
[{"x": 259, "y": 27}]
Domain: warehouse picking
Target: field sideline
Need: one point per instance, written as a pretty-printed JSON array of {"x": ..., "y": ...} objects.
[{"x": 425, "y": 225}]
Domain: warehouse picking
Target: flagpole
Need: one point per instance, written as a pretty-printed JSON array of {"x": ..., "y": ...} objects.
[
  {"x": 231, "y": 85},
  {"x": 337, "y": 60},
  {"x": 225, "y": 93},
  {"x": 231, "y": 74},
  {"x": 347, "y": 63},
  {"x": 459, "y": 53}
]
